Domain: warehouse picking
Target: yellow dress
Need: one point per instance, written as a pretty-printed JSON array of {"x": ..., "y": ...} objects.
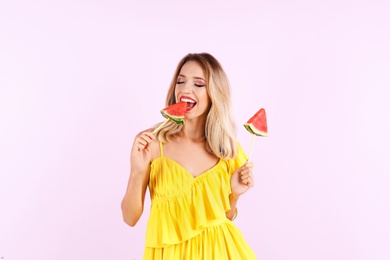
[{"x": 187, "y": 215}]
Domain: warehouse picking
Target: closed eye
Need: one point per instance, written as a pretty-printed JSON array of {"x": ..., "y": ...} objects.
[
  {"x": 199, "y": 85},
  {"x": 179, "y": 82}
]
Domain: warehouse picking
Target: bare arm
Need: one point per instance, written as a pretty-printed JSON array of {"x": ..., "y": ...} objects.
[
  {"x": 140, "y": 158},
  {"x": 231, "y": 214}
]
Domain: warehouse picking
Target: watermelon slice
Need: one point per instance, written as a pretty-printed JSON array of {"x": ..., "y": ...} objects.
[
  {"x": 257, "y": 124},
  {"x": 176, "y": 112}
]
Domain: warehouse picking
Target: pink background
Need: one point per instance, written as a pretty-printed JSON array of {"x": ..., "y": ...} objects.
[{"x": 78, "y": 80}]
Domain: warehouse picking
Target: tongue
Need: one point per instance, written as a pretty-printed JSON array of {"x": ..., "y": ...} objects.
[{"x": 190, "y": 106}]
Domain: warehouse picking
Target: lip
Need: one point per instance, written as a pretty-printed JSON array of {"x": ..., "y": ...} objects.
[{"x": 185, "y": 98}]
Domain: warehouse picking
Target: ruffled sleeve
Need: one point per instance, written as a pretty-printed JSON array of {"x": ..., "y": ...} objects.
[{"x": 239, "y": 161}]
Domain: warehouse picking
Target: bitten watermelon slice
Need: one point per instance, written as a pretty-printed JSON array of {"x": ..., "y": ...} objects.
[
  {"x": 257, "y": 124},
  {"x": 176, "y": 112}
]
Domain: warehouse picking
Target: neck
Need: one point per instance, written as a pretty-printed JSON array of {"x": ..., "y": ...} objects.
[{"x": 194, "y": 131}]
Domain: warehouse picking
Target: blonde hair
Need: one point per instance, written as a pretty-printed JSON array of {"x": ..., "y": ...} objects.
[{"x": 220, "y": 129}]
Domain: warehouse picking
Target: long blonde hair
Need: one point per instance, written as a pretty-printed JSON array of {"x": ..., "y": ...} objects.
[{"x": 220, "y": 129}]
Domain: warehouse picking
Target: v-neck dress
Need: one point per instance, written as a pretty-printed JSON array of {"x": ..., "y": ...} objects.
[{"x": 188, "y": 214}]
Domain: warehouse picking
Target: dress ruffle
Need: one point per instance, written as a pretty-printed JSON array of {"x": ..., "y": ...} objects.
[
  {"x": 188, "y": 214},
  {"x": 199, "y": 203},
  {"x": 220, "y": 242}
]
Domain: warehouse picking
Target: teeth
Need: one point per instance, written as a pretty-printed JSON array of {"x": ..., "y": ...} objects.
[{"x": 187, "y": 100}]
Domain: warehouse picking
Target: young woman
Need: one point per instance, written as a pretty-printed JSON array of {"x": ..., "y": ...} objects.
[{"x": 195, "y": 173}]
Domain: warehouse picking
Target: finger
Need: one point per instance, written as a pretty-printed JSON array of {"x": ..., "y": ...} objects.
[
  {"x": 142, "y": 146},
  {"x": 248, "y": 181},
  {"x": 150, "y": 135},
  {"x": 143, "y": 142},
  {"x": 249, "y": 165},
  {"x": 147, "y": 136},
  {"x": 139, "y": 147},
  {"x": 144, "y": 139},
  {"x": 246, "y": 175},
  {"x": 246, "y": 178},
  {"x": 246, "y": 171}
]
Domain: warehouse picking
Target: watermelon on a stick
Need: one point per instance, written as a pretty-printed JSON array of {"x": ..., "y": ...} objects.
[
  {"x": 176, "y": 113},
  {"x": 257, "y": 125}
]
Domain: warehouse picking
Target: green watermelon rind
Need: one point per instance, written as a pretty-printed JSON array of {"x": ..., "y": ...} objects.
[
  {"x": 252, "y": 129},
  {"x": 178, "y": 120}
]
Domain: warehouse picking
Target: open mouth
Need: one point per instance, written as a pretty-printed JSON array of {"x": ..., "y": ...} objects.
[{"x": 190, "y": 102}]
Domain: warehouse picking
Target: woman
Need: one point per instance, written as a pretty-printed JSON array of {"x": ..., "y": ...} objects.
[{"x": 195, "y": 173}]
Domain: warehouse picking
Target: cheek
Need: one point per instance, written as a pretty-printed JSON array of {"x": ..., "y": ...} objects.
[
  {"x": 204, "y": 96},
  {"x": 175, "y": 93}
]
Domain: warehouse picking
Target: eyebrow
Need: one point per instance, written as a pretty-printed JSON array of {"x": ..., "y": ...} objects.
[{"x": 181, "y": 75}]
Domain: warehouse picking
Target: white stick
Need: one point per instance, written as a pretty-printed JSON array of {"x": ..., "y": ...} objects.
[
  {"x": 250, "y": 151},
  {"x": 159, "y": 127}
]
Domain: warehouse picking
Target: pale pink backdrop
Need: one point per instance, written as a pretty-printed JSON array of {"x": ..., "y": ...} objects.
[{"x": 78, "y": 80}]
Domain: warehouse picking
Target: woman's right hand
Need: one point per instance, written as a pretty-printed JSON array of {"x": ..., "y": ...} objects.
[{"x": 141, "y": 154}]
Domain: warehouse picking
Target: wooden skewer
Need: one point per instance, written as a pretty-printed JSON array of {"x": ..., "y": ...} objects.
[
  {"x": 159, "y": 127},
  {"x": 250, "y": 151}
]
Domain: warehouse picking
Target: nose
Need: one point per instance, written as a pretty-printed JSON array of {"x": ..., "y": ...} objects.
[{"x": 186, "y": 87}]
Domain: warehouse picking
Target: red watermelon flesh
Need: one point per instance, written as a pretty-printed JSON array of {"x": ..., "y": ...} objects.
[
  {"x": 257, "y": 124},
  {"x": 176, "y": 112}
]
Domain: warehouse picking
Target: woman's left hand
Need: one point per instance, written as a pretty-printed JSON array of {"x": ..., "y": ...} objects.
[{"x": 242, "y": 179}]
